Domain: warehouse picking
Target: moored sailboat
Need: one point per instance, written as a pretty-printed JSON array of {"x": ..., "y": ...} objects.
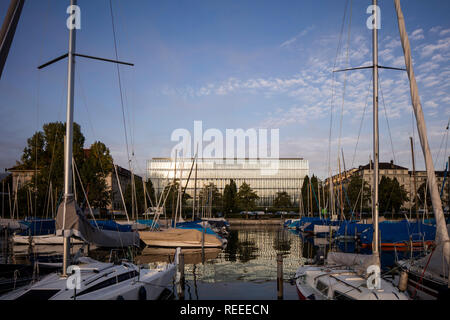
[
  {"x": 84, "y": 278},
  {"x": 348, "y": 276}
]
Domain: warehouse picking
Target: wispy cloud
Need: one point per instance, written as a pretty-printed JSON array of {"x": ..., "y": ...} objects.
[
  {"x": 444, "y": 32},
  {"x": 292, "y": 40},
  {"x": 417, "y": 34}
]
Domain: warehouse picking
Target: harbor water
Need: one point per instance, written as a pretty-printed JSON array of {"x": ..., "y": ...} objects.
[{"x": 245, "y": 269}]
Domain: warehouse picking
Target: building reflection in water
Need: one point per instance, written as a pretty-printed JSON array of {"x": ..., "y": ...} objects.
[{"x": 251, "y": 255}]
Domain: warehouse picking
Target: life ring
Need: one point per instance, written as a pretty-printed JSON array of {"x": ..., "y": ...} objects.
[{"x": 142, "y": 294}]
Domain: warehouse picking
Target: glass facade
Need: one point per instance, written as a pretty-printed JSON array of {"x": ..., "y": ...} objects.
[{"x": 266, "y": 183}]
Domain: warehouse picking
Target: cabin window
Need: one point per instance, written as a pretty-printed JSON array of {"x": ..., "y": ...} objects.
[
  {"x": 38, "y": 294},
  {"x": 340, "y": 296},
  {"x": 111, "y": 281},
  {"x": 322, "y": 287}
]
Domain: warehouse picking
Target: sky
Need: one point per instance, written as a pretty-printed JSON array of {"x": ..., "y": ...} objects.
[{"x": 231, "y": 64}]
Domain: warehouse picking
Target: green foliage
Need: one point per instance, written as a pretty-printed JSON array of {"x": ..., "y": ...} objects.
[
  {"x": 93, "y": 174},
  {"x": 171, "y": 202},
  {"x": 140, "y": 200},
  {"x": 355, "y": 187},
  {"x": 310, "y": 194},
  {"x": 209, "y": 194},
  {"x": 247, "y": 197},
  {"x": 391, "y": 195},
  {"x": 45, "y": 153},
  {"x": 421, "y": 197},
  {"x": 230, "y": 204},
  {"x": 282, "y": 200}
]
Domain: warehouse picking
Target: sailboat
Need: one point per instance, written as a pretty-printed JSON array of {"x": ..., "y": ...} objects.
[
  {"x": 182, "y": 234},
  {"x": 428, "y": 276},
  {"x": 346, "y": 276},
  {"x": 89, "y": 279}
]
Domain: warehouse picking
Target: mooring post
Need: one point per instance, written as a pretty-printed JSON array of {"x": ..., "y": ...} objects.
[
  {"x": 203, "y": 245},
  {"x": 280, "y": 276},
  {"x": 5, "y": 246},
  {"x": 181, "y": 271}
]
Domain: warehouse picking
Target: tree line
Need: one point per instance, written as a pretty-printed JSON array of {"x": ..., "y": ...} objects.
[{"x": 44, "y": 157}]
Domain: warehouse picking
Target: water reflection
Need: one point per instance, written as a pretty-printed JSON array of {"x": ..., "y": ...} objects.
[{"x": 245, "y": 269}]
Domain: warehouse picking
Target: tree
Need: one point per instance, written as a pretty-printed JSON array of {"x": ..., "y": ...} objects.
[
  {"x": 230, "y": 197},
  {"x": 391, "y": 195},
  {"x": 357, "y": 190},
  {"x": 140, "y": 200},
  {"x": 171, "y": 202},
  {"x": 310, "y": 194},
  {"x": 93, "y": 172},
  {"x": 45, "y": 154},
  {"x": 247, "y": 198},
  {"x": 282, "y": 200},
  {"x": 209, "y": 194},
  {"x": 305, "y": 194},
  {"x": 421, "y": 197}
]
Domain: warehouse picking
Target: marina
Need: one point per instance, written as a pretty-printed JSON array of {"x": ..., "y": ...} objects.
[{"x": 222, "y": 214}]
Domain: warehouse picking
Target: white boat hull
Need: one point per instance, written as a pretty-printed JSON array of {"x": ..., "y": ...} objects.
[{"x": 101, "y": 281}]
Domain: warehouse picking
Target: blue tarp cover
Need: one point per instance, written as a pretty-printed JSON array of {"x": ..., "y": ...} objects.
[
  {"x": 111, "y": 225},
  {"x": 38, "y": 227},
  {"x": 400, "y": 231}
]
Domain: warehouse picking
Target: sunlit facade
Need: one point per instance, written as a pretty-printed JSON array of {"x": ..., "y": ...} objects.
[{"x": 287, "y": 175}]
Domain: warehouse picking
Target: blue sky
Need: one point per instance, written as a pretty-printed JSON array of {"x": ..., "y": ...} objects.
[{"x": 231, "y": 64}]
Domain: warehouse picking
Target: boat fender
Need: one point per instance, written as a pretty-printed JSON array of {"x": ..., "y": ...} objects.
[
  {"x": 142, "y": 294},
  {"x": 119, "y": 297},
  {"x": 403, "y": 282}
]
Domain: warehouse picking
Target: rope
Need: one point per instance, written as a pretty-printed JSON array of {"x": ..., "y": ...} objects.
[
  {"x": 362, "y": 121},
  {"x": 387, "y": 120},
  {"x": 423, "y": 273},
  {"x": 332, "y": 101},
  {"x": 120, "y": 84}
]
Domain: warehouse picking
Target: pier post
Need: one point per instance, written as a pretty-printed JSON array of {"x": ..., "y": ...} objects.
[
  {"x": 280, "y": 276},
  {"x": 203, "y": 245},
  {"x": 5, "y": 246},
  {"x": 182, "y": 280}
]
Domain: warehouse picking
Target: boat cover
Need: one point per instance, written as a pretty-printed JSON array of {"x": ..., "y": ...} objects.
[
  {"x": 188, "y": 237},
  {"x": 400, "y": 231},
  {"x": 357, "y": 262},
  {"x": 74, "y": 223}
]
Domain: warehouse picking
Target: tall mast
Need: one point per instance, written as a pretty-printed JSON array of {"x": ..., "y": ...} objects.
[
  {"x": 9, "y": 29},
  {"x": 195, "y": 193},
  {"x": 414, "y": 176},
  {"x": 375, "y": 244},
  {"x": 69, "y": 135},
  {"x": 442, "y": 236}
]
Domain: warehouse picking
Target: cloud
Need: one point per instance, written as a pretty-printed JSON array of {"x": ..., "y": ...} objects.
[
  {"x": 444, "y": 32},
  {"x": 435, "y": 29},
  {"x": 417, "y": 34},
  {"x": 291, "y": 41},
  {"x": 441, "y": 44}
]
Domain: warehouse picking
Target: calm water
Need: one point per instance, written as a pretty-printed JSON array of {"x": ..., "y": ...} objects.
[{"x": 245, "y": 269}]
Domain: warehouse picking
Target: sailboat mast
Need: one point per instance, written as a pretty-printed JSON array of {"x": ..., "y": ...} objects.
[
  {"x": 375, "y": 248},
  {"x": 195, "y": 193},
  {"x": 69, "y": 136},
  {"x": 414, "y": 176}
]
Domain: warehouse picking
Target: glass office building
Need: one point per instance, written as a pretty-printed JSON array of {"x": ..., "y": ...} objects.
[{"x": 286, "y": 174}]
